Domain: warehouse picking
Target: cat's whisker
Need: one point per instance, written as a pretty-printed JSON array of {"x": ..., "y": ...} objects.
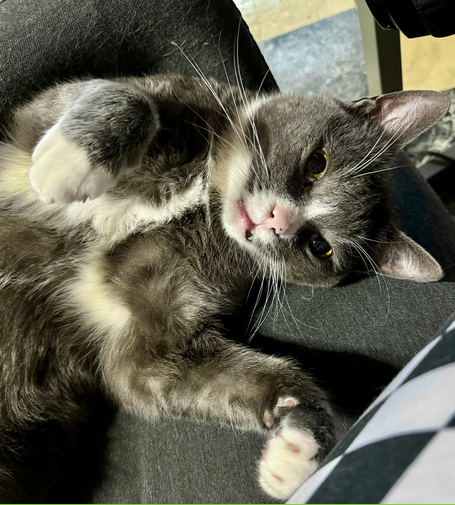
[
  {"x": 387, "y": 145},
  {"x": 255, "y": 276},
  {"x": 378, "y": 272},
  {"x": 277, "y": 285},
  {"x": 243, "y": 96},
  {"x": 378, "y": 171},
  {"x": 211, "y": 131},
  {"x": 281, "y": 293},
  {"x": 375, "y": 156},
  {"x": 271, "y": 286},
  {"x": 360, "y": 163},
  {"x": 261, "y": 155},
  {"x": 296, "y": 321},
  {"x": 281, "y": 290},
  {"x": 262, "y": 83},
  {"x": 239, "y": 176},
  {"x": 377, "y": 241},
  {"x": 365, "y": 161},
  {"x": 367, "y": 257},
  {"x": 310, "y": 297},
  {"x": 353, "y": 245},
  {"x": 260, "y": 271},
  {"x": 238, "y": 74},
  {"x": 211, "y": 89},
  {"x": 361, "y": 253},
  {"x": 232, "y": 93},
  {"x": 246, "y": 104},
  {"x": 200, "y": 117}
]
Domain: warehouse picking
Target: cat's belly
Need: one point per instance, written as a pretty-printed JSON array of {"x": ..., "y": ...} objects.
[{"x": 112, "y": 217}]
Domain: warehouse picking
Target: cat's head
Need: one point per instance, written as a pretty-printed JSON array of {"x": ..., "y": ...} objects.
[{"x": 304, "y": 185}]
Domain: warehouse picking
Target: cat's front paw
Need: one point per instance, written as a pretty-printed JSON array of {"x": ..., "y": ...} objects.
[
  {"x": 62, "y": 172},
  {"x": 301, "y": 436},
  {"x": 288, "y": 461}
]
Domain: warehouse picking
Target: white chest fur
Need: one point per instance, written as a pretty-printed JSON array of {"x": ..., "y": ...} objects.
[{"x": 112, "y": 217}]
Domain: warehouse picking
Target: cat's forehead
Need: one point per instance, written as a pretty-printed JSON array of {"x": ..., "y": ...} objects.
[
  {"x": 289, "y": 114},
  {"x": 289, "y": 128}
]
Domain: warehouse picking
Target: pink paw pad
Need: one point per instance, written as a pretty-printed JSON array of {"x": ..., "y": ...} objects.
[{"x": 289, "y": 459}]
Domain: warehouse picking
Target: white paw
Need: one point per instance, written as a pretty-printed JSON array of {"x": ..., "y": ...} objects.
[
  {"x": 287, "y": 461},
  {"x": 62, "y": 173}
]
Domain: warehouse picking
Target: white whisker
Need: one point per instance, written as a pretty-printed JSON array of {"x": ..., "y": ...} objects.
[
  {"x": 381, "y": 170},
  {"x": 377, "y": 271}
]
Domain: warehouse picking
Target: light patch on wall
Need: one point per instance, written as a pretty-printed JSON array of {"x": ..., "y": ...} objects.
[{"x": 271, "y": 18}]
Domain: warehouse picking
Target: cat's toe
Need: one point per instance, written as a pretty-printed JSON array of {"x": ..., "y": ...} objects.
[
  {"x": 62, "y": 172},
  {"x": 288, "y": 461}
]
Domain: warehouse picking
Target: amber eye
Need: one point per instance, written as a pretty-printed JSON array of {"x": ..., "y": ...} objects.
[
  {"x": 317, "y": 164},
  {"x": 319, "y": 247}
]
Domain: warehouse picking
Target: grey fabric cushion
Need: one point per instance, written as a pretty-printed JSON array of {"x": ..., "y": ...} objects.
[
  {"x": 356, "y": 338},
  {"x": 171, "y": 461},
  {"x": 42, "y": 42}
]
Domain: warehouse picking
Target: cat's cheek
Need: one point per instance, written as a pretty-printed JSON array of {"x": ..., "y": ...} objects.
[
  {"x": 62, "y": 173},
  {"x": 288, "y": 461}
]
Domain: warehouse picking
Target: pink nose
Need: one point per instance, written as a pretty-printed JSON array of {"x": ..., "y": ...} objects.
[{"x": 278, "y": 221}]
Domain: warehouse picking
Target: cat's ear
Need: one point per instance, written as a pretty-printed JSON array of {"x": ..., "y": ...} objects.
[
  {"x": 402, "y": 258},
  {"x": 404, "y": 115}
]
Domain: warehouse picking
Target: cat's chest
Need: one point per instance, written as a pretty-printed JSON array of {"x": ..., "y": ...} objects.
[
  {"x": 117, "y": 217},
  {"x": 113, "y": 216}
]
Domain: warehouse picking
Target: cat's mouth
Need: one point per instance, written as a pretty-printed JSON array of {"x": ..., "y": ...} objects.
[
  {"x": 245, "y": 221},
  {"x": 274, "y": 221}
]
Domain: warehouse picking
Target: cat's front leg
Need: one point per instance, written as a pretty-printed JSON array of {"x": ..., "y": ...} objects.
[
  {"x": 211, "y": 377},
  {"x": 104, "y": 132},
  {"x": 298, "y": 441}
]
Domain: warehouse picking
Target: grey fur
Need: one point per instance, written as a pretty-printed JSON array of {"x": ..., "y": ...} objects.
[
  {"x": 96, "y": 123},
  {"x": 178, "y": 280}
]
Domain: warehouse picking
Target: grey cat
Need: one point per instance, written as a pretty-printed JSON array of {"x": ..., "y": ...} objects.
[{"x": 135, "y": 216}]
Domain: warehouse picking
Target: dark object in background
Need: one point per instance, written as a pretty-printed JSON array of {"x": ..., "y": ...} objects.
[
  {"x": 415, "y": 18},
  {"x": 444, "y": 183}
]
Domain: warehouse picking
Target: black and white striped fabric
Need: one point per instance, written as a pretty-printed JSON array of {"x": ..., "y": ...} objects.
[{"x": 402, "y": 450}]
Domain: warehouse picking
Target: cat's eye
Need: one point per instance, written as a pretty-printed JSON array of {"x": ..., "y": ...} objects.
[
  {"x": 319, "y": 247},
  {"x": 316, "y": 164}
]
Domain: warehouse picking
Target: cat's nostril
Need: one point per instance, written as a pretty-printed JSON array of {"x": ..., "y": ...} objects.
[{"x": 278, "y": 220}]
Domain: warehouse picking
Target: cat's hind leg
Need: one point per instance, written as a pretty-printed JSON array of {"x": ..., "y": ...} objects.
[{"x": 104, "y": 132}]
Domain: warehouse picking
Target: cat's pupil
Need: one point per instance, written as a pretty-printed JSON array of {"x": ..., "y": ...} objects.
[
  {"x": 317, "y": 163},
  {"x": 319, "y": 247}
]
